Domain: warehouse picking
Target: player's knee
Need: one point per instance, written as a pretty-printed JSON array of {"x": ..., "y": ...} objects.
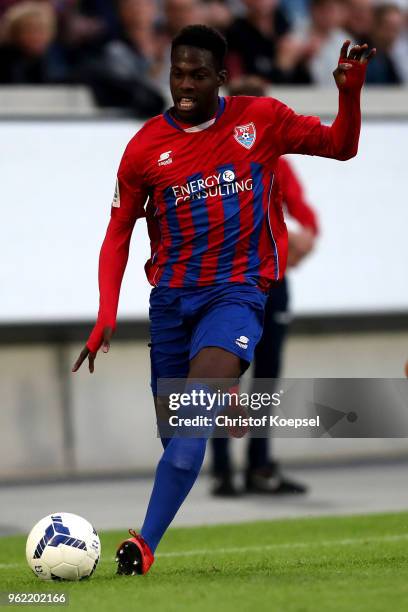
[
  {"x": 214, "y": 362},
  {"x": 185, "y": 453}
]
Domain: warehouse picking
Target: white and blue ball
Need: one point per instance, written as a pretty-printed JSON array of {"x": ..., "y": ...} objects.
[{"x": 63, "y": 546}]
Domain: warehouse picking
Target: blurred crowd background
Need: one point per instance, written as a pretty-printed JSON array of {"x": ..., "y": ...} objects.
[{"x": 120, "y": 48}]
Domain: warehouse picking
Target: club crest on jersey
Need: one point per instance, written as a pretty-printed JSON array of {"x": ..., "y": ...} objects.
[{"x": 245, "y": 135}]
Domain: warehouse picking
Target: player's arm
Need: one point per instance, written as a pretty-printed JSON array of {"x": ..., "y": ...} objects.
[
  {"x": 306, "y": 135},
  {"x": 301, "y": 241},
  {"x": 294, "y": 196},
  {"x": 128, "y": 205}
]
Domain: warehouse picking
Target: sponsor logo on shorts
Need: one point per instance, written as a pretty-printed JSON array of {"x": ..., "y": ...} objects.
[{"x": 242, "y": 342}]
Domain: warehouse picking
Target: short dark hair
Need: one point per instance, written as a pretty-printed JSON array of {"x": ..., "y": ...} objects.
[{"x": 203, "y": 37}]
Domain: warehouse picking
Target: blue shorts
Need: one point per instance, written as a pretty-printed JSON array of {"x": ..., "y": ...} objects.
[{"x": 185, "y": 320}]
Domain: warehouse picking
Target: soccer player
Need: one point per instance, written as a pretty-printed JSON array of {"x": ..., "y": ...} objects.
[{"x": 218, "y": 237}]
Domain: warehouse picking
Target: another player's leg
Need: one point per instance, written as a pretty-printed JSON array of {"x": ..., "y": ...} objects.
[
  {"x": 263, "y": 474},
  {"x": 221, "y": 469}
]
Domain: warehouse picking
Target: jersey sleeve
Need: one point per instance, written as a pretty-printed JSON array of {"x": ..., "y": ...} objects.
[
  {"x": 306, "y": 134},
  {"x": 294, "y": 197},
  {"x": 130, "y": 191},
  {"x": 129, "y": 199}
]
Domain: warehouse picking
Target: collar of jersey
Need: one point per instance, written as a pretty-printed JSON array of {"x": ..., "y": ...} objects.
[{"x": 201, "y": 126}]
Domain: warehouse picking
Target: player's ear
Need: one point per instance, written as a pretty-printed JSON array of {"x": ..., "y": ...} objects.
[{"x": 222, "y": 77}]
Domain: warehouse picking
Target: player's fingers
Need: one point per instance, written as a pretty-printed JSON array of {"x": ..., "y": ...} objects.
[
  {"x": 107, "y": 335},
  {"x": 352, "y": 53},
  {"x": 344, "y": 49},
  {"x": 91, "y": 360},
  {"x": 357, "y": 51},
  {"x": 82, "y": 356},
  {"x": 369, "y": 56},
  {"x": 361, "y": 53}
]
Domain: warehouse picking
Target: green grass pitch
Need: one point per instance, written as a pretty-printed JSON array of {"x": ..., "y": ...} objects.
[{"x": 349, "y": 564}]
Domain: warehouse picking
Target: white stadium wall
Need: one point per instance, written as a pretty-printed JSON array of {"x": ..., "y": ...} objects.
[{"x": 58, "y": 179}]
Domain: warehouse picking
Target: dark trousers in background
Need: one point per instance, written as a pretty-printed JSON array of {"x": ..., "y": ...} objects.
[{"x": 267, "y": 364}]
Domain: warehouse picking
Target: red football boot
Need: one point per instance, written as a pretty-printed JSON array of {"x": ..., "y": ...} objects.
[{"x": 134, "y": 556}]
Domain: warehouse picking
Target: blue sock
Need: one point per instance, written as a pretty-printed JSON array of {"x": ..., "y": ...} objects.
[{"x": 175, "y": 475}]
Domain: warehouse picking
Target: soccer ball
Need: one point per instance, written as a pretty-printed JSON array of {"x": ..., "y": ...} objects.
[{"x": 63, "y": 546}]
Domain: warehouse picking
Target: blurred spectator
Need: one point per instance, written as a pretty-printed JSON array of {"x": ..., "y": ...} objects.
[
  {"x": 247, "y": 86},
  {"x": 260, "y": 43},
  {"x": 217, "y": 14},
  {"x": 359, "y": 20},
  {"x": 120, "y": 75},
  {"x": 87, "y": 24},
  {"x": 180, "y": 13},
  {"x": 138, "y": 37},
  {"x": 400, "y": 50},
  {"x": 29, "y": 52},
  {"x": 297, "y": 11},
  {"x": 6, "y": 4},
  {"x": 121, "y": 48},
  {"x": 387, "y": 30},
  {"x": 324, "y": 38},
  {"x": 176, "y": 15}
]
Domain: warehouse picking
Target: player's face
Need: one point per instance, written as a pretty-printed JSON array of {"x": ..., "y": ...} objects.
[{"x": 194, "y": 84}]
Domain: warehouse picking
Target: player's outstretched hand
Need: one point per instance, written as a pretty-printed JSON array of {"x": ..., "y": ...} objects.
[
  {"x": 107, "y": 336},
  {"x": 358, "y": 54}
]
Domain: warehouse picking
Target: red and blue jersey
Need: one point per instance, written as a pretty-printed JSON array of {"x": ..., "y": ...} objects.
[
  {"x": 214, "y": 211},
  {"x": 210, "y": 193}
]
